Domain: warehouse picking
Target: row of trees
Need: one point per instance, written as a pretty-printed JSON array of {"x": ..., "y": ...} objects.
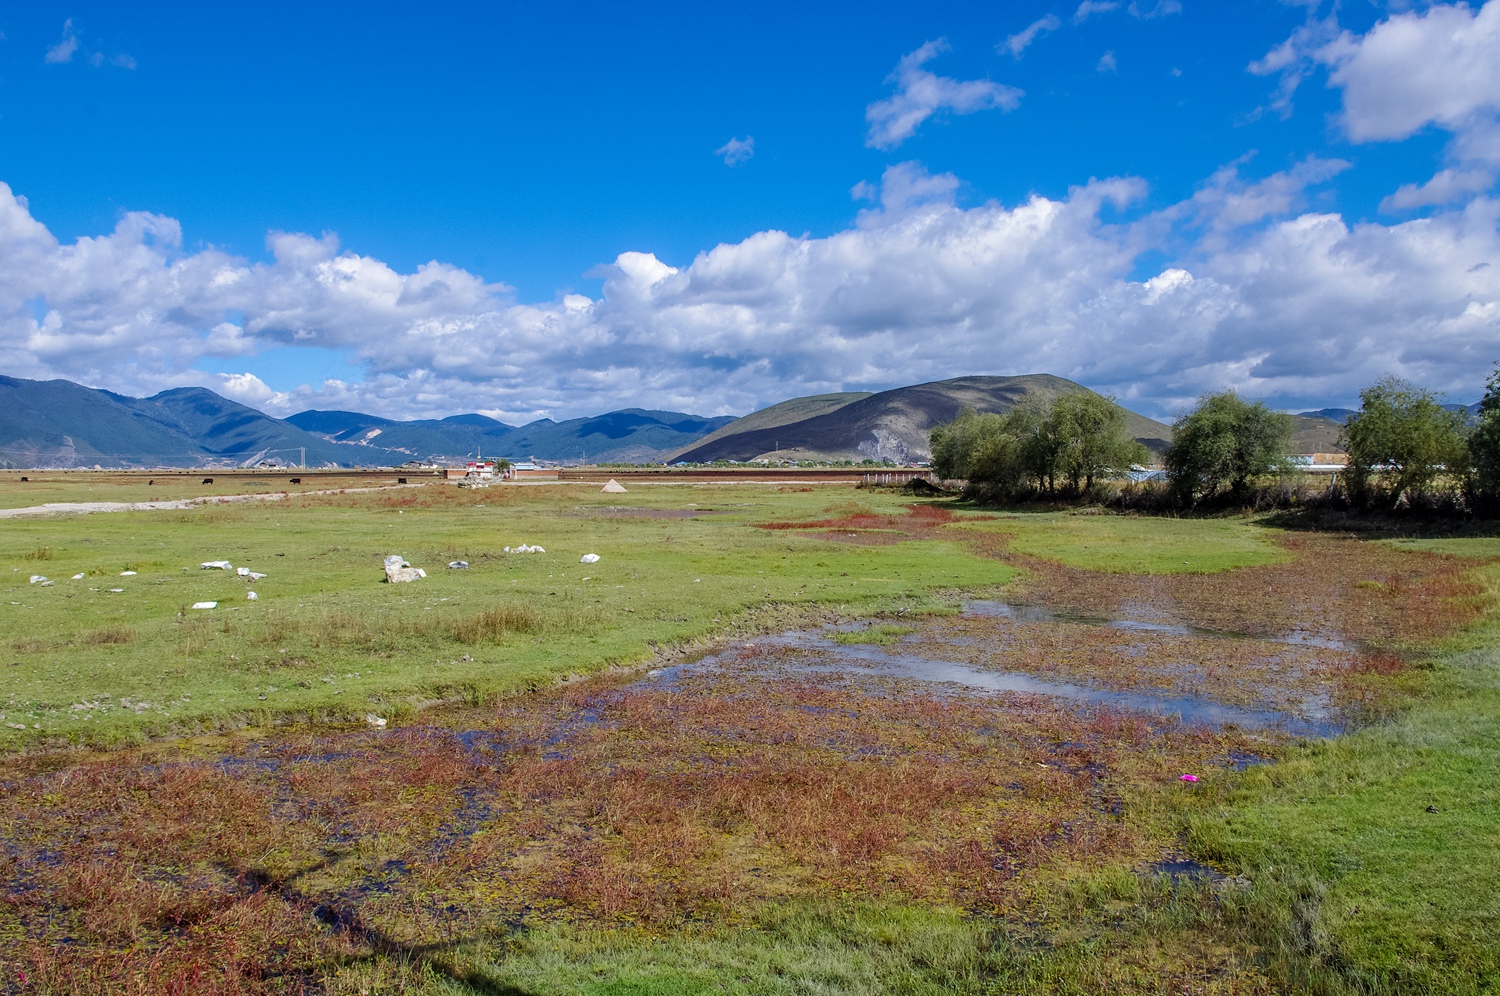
[
  {"x": 1062, "y": 445},
  {"x": 1404, "y": 445}
]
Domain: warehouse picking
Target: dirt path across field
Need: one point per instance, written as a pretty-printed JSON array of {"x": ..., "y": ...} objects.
[{"x": 85, "y": 507}]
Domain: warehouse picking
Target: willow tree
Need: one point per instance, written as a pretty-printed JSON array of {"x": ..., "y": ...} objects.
[{"x": 1225, "y": 442}]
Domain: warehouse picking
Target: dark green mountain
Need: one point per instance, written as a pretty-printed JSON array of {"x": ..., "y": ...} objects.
[
  {"x": 61, "y": 424},
  {"x": 58, "y": 423},
  {"x": 631, "y": 435}
]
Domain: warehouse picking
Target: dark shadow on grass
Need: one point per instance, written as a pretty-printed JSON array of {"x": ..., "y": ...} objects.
[
  {"x": 341, "y": 915},
  {"x": 1382, "y": 525}
]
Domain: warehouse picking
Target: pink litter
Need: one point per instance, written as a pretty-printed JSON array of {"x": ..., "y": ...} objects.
[{"x": 1189, "y": 778}]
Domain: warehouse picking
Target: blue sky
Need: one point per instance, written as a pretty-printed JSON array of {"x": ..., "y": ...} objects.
[{"x": 525, "y": 147}]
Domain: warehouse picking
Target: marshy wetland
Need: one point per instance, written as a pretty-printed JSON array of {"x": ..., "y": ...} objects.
[{"x": 777, "y": 740}]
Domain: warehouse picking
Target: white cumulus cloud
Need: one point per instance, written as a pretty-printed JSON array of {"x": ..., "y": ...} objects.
[
  {"x": 1260, "y": 291},
  {"x": 920, "y": 94},
  {"x": 1414, "y": 69}
]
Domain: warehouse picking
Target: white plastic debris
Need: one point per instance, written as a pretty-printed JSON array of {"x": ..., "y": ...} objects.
[
  {"x": 205, "y": 605},
  {"x": 38, "y": 578},
  {"x": 127, "y": 574},
  {"x": 376, "y": 721},
  {"x": 78, "y": 576},
  {"x": 252, "y": 596},
  {"x": 458, "y": 565},
  {"x": 589, "y": 558},
  {"x": 523, "y": 548},
  {"x": 216, "y": 565},
  {"x": 398, "y": 570},
  {"x": 46, "y": 584},
  {"x": 243, "y": 572},
  {"x": 117, "y": 590},
  {"x": 614, "y": 487}
]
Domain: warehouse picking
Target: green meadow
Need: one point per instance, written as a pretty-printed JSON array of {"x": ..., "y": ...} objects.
[{"x": 1364, "y": 863}]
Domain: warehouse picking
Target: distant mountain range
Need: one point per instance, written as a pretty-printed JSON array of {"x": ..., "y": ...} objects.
[
  {"x": 892, "y": 425},
  {"x": 632, "y": 435},
  {"x": 57, "y": 423},
  {"x": 61, "y": 424}
]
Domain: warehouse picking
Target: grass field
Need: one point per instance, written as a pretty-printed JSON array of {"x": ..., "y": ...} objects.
[{"x": 566, "y": 800}]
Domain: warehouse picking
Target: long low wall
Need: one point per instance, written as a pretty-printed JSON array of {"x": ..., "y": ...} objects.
[{"x": 783, "y": 475}]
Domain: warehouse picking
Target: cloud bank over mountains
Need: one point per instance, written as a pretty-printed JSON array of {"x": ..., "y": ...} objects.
[{"x": 1258, "y": 290}]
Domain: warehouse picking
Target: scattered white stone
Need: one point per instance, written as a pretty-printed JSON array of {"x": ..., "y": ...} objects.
[
  {"x": 252, "y": 596},
  {"x": 46, "y": 584},
  {"x": 376, "y": 721},
  {"x": 398, "y": 570},
  {"x": 254, "y": 576},
  {"x": 458, "y": 565},
  {"x": 205, "y": 605},
  {"x": 589, "y": 558},
  {"x": 127, "y": 574},
  {"x": 216, "y": 565},
  {"x": 614, "y": 487}
]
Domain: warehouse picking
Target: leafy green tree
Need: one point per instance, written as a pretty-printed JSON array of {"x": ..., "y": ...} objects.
[
  {"x": 1079, "y": 436},
  {"x": 1038, "y": 446},
  {"x": 1224, "y": 442},
  {"x": 1092, "y": 438},
  {"x": 980, "y": 449},
  {"x": 1400, "y": 441},
  {"x": 1484, "y": 445}
]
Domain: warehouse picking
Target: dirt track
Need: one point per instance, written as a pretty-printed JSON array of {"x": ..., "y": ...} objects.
[{"x": 86, "y": 507}]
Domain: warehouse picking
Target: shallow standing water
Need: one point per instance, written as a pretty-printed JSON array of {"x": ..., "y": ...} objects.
[{"x": 918, "y": 659}]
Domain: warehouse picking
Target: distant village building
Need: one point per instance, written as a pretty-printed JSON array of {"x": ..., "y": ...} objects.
[{"x": 483, "y": 470}]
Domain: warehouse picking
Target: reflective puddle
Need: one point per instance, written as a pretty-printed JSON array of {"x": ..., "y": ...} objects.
[{"x": 933, "y": 658}]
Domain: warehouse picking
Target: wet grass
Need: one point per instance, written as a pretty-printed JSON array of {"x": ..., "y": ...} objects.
[
  {"x": 881, "y": 633},
  {"x": 749, "y": 825},
  {"x": 327, "y": 638}
]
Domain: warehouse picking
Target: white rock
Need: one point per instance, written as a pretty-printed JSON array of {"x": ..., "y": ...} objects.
[
  {"x": 397, "y": 575},
  {"x": 205, "y": 605},
  {"x": 46, "y": 584},
  {"x": 589, "y": 558},
  {"x": 254, "y": 576},
  {"x": 376, "y": 721},
  {"x": 78, "y": 577},
  {"x": 216, "y": 565},
  {"x": 252, "y": 596}
]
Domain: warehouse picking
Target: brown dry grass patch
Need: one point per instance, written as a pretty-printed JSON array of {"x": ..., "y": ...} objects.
[{"x": 1365, "y": 592}]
